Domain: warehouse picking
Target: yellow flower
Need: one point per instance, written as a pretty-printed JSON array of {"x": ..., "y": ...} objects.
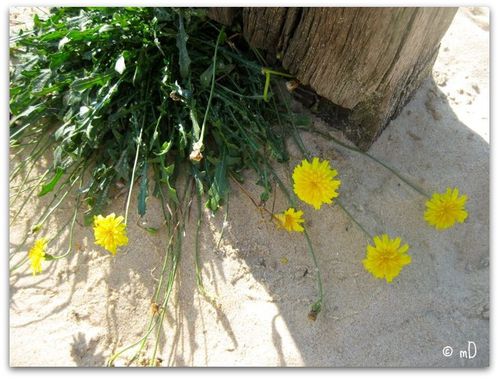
[
  {"x": 314, "y": 183},
  {"x": 443, "y": 210},
  {"x": 37, "y": 255},
  {"x": 387, "y": 258},
  {"x": 291, "y": 220},
  {"x": 110, "y": 232}
]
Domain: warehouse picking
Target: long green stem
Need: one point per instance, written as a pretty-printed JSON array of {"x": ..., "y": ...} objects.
[
  {"x": 71, "y": 228},
  {"x": 173, "y": 249},
  {"x": 50, "y": 209},
  {"x": 177, "y": 248},
  {"x": 392, "y": 170},
  {"x": 139, "y": 142},
  {"x": 267, "y": 72},
  {"x": 353, "y": 219},
  {"x": 153, "y": 319},
  {"x": 43, "y": 219},
  {"x": 317, "y": 306},
  {"x": 213, "y": 75},
  {"x": 171, "y": 278}
]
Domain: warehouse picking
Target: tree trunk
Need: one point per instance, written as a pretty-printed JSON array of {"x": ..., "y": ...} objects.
[{"x": 365, "y": 63}]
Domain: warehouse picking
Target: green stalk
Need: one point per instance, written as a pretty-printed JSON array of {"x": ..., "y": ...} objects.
[
  {"x": 213, "y": 75},
  {"x": 353, "y": 219},
  {"x": 152, "y": 320},
  {"x": 392, "y": 170},
  {"x": 37, "y": 225},
  {"x": 267, "y": 72},
  {"x": 317, "y": 306},
  {"x": 139, "y": 142},
  {"x": 71, "y": 228},
  {"x": 50, "y": 209},
  {"x": 226, "y": 215},
  {"x": 173, "y": 272},
  {"x": 169, "y": 288}
]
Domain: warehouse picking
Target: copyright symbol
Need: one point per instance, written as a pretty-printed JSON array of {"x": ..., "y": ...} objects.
[{"x": 447, "y": 351}]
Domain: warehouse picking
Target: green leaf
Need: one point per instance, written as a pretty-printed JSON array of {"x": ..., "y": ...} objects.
[
  {"x": 166, "y": 175},
  {"x": 165, "y": 148},
  {"x": 90, "y": 81},
  {"x": 39, "y": 83},
  {"x": 47, "y": 187},
  {"x": 196, "y": 130},
  {"x": 99, "y": 202},
  {"x": 37, "y": 22},
  {"x": 220, "y": 184},
  {"x": 143, "y": 193},
  {"x": 27, "y": 112},
  {"x": 206, "y": 76},
  {"x": 52, "y": 36},
  {"x": 184, "y": 60},
  {"x": 58, "y": 59}
]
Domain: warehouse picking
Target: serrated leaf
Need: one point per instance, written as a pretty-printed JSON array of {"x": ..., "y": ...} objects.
[
  {"x": 196, "y": 130},
  {"x": 165, "y": 148},
  {"x": 184, "y": 59},
  {"x": 99, "y": 202},
  {"x": 47, "y": 187},
  {"x": 38, "y": 108},
  {"x": 220, "y": 184},
  {"x": 90, "y": 81},
  {"x": 58, "y": 59},
  {"x": 206, "y": 76},
  {"x": 143, "y": 191},
  {"x": 166, "y": 174}
]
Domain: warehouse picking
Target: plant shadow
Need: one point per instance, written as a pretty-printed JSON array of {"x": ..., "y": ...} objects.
[{"x": 263, "y": 280}]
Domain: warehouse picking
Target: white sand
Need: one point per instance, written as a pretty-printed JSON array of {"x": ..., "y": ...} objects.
[{"x": 79, "y": 311}]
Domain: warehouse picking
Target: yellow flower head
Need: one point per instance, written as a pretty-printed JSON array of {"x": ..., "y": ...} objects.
[
  {"x": 314, "y": 182},
  {"x": 386, "y": 258},
  {"x": 291, "y": 220},
  {"x": 444, "y": 209},
  {"x": 110, "y": 232},
  {"x": 37, "y": 255}
]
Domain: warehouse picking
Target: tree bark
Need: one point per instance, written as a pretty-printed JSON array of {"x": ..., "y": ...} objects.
[
  {"x": 367, "y": 62},
  {"x": 223, "y": 15}
]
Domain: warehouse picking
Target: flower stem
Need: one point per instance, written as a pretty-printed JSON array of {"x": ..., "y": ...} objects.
[
  {"x": 353, "y": 219},
  {"x": 213, "y": 74},
  {"x": 267, "y": 72},
  {"x": 139, "y": 142},
  {"x": 392, "y": 170},
  {"x": 316, "y": 307},
  {"x": 71, "y": 230}
]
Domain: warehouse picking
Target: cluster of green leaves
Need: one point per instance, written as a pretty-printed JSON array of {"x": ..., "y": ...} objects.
[{"x": 99, "y": 82}]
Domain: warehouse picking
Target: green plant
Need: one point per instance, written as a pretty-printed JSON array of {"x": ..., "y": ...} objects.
[{"x": 146, "y": 96}]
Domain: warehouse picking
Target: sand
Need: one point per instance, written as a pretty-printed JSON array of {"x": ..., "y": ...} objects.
[{"x": 82, "y": 309}]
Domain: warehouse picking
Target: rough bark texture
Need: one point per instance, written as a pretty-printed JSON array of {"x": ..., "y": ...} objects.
[
  {"x": 366, "y": 62},
  {"x": 223, "y": 15}
]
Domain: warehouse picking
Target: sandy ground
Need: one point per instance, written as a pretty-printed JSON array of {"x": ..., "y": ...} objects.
[{"x": 80, "y": 310}]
